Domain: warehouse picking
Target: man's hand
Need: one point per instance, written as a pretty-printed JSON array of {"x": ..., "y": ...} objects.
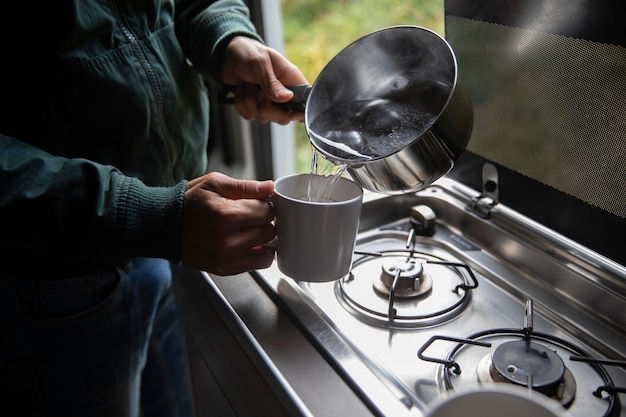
[
  {"x": 226, "y": 223},
  {"x": 260, "y": 74}
]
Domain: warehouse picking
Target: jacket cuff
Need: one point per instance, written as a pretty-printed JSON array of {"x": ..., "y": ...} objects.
[{"x": 152, "y": 218}]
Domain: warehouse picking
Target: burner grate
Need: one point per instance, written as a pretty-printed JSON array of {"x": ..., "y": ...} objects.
[
  {"x": 400, "y": 288},
  {"x": 515, "y": 360}
]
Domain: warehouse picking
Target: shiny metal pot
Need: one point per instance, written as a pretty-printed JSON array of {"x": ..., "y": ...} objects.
[{"x": 391, "y": 108}]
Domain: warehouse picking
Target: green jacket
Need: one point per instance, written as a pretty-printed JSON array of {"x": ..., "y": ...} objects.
[{"x": 104, "y": 115}]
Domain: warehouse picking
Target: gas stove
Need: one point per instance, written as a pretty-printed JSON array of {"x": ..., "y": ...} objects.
[
  {"x": 504, "y": 272},
  {"x": 503, "y": 275},
  {"x": 448, "y": 292}
]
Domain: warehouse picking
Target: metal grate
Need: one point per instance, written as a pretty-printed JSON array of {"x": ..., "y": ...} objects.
[{"x": 548, "y": 106}]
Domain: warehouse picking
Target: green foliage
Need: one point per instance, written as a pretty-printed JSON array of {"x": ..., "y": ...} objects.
[{"x": 316, "y": 30}]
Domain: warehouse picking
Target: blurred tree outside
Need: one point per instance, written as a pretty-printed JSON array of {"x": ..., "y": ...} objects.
[{"x": 317, "y": 30}]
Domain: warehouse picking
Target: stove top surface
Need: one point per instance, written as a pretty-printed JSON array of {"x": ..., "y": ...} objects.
[{"x": 466, "y": 303}]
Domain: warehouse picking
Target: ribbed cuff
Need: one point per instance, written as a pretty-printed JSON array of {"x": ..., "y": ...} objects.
[{"x": 151, "y": 218}]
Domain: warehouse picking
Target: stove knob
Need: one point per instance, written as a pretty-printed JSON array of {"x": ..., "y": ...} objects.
[{"x": 423, "y": 220}]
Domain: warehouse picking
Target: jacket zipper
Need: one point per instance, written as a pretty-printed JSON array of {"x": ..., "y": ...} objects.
[{"x": 151, "y": 75}]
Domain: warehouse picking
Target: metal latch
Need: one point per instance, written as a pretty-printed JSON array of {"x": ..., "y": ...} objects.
[{"x": 485, "y": 202}]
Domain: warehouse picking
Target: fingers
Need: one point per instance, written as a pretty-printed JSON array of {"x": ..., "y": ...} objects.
[
  {"x": 227, "y": 252},
  {"x": 225, "y": 224},
  {"x": 280, "y": 73},
  {"x": 261, "y": 74},
  {"x": 253, "y": 104},
  {"x": 243, "y": 213}
]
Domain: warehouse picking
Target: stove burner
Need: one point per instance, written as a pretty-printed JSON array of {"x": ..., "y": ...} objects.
[
  {"x": 412, "y": 280},
  {"x": 529, "y": 364},
  {"x": 397, "y": 288},
  {"x": 524, "y": 361}
]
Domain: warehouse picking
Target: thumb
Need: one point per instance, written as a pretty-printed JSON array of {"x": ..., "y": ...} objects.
[
  {"x": 280, "y": 70},
  {"x": 238, "y": 189},
  {"x": 274, "y": 89}
]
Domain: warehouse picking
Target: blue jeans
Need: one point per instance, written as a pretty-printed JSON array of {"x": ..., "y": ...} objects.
[{"x": 106, "y": 344}]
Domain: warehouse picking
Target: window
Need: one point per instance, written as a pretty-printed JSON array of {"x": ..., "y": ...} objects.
[{"x": 316, "y": 30}]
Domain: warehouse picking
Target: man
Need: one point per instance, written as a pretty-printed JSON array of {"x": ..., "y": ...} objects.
[{"x": 103, "y": 183}]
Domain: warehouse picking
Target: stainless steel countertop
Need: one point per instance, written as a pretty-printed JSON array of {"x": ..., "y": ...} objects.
[{"x": 296, "y": 371}]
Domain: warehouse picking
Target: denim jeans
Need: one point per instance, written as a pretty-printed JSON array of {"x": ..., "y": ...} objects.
[
  {"x": 165, "y": 389},
  {"x": 106, "y": 344}
]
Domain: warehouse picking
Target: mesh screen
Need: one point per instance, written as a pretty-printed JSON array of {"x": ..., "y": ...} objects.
[{"x": 548, "y": 106}]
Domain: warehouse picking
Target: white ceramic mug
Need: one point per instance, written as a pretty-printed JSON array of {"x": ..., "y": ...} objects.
[
  {"x": 315, "y": 239},
  {"x": 495, "y": 400}
]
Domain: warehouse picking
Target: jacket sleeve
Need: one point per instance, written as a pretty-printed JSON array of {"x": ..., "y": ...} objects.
[
  {"x": 204, "y": 27},
  {"x": 100, "y": 214}
]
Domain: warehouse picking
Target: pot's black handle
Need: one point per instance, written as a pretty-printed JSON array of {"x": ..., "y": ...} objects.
[{"x": 297, "y": 103}]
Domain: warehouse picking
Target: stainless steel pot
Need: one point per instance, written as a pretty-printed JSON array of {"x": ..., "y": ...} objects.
[{"x": 391, "y": 108}]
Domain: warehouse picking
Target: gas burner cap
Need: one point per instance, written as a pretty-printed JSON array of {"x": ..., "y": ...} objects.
[
  {"x": 562, "y": 391},
  {"x": 406, "y": 268},
  {"x": 413, "y": 281},
  {"x": 525, "y": 362}
]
